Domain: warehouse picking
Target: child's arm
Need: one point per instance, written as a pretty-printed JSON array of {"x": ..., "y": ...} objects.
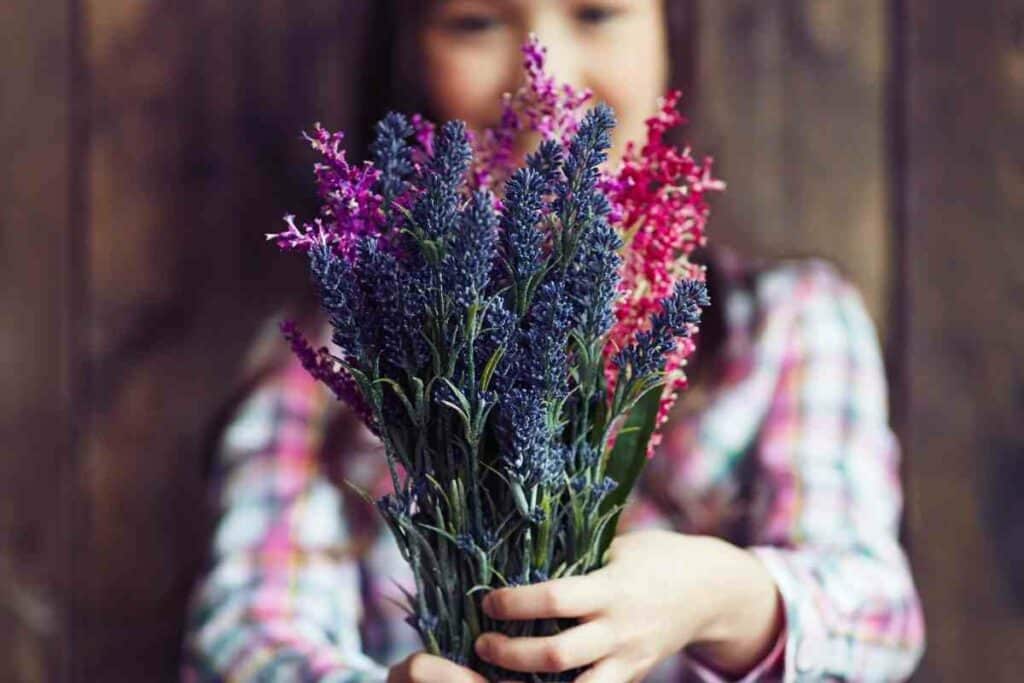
[
  {"x": 281, "y": 600},
  {"x": 830, "y": 470}
]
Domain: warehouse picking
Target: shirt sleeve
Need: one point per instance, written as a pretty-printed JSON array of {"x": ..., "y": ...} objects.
[
  {"x": 831, "y": 496},
  {"x": 281, "y": 600},
  {"x": 768, "y": 669}
]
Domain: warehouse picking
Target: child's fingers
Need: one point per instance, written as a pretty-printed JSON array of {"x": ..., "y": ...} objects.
[
  {"x": 421, "y": 667},
  {"x": 608, "y": 670},
  {"x": 573, "y": 648},
  {"x": 571, "y": 596}
]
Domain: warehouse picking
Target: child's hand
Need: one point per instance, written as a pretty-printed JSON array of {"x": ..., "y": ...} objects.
[
  {"x": 420, "y": 667},
  {"x": 660, "y": 592}
]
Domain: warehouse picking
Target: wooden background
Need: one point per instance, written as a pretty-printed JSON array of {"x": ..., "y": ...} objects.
[{"x": 145, "y": 146}]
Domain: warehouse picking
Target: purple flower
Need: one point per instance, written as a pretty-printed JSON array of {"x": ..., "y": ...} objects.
[
  {"x": 423, "y": 130},
  {"x": 593, "y": 279},
  {"x": 340, "y": 299},
  {"x": 351, "y": 205},
  {"x": 468, "y": 264},
  {"x": 435, "y": 212},
  {"x": 394, "y": 308},
  {"x": 678, "y": 317},
  {"x": 541, "y": 106},
  {"x": 523, "y": 241},
  {"x": 543, "y": 354},
  {"x": 392, "y": 156},
  {"x": 323, "y": 367},
  {"x": 581, "y": 194}
]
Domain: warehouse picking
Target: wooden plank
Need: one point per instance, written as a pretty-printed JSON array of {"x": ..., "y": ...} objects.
[
  {"x": 965, "y": 299},
  {"x": 35, "y": 344},
  {"x": 790, "y": 99},
  {"x": 194, "y": 153}
]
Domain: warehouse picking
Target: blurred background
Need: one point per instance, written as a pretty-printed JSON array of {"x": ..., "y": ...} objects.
[{"x": 145, "y": 147}]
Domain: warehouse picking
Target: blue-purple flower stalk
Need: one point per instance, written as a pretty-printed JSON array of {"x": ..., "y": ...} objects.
[{"x": 469, "y": 334}]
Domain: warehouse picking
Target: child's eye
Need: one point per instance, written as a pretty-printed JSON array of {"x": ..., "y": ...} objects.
[
  {"x": 471, "y": 23},
  {"x": 596, "y": 13}
]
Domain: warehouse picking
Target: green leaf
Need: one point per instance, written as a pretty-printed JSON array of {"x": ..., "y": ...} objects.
[
  {"x": 459, "y": 396},
  {"x": 440, "y": 489},
  {"x": 519, "y": 497},
  {"x": 400, "y": 393},
  {"x": 438, "y": 530},
  {"x": 492, "y": 364},
  {"x": 411, "y": 606},
  {"x": 629, "y": 456},
  {"x": 363, "y": 493},
  {"x": 402, "y": 606}
]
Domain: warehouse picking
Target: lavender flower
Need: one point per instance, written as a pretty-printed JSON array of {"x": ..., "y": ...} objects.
[
  {"x": 497, "y": 336},
  {"x": 604, "y": 487},
  {"x": 547, "y": 163},
  {"x": 470, "y": 260},
  {"x": 423, "y": 623},
  {"x": 523, "y": 242},
  {"x": 394, "y": 506},
  {"x": 472, "y": 333},
  {"x": 340, "y": 298},
  {"x": 392, "y": 156},
  {"x": 524, "y": 435},
  {"x": 393, "y": 301},
  {"x": 581, "y": 195},
  {"x": 679, "y": 313},
  {"x": 435, "y": 212},
  {"x": 593, "y": 279},
  {"x": 465, "y": 543},
  {"x": 543, "y": 353}
]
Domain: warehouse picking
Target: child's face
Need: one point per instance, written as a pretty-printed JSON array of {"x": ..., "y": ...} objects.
[{"x": 617, "y": 48}]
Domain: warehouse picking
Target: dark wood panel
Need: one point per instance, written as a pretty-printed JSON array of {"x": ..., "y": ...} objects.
[
  {"x": 790, "y": 99},
  {"x": 194, "y": 154},
  {"x": 965, "y": 326},
  {"x": 35, "y": 349}
]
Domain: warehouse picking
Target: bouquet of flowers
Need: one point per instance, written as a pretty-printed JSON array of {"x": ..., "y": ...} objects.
[{"x": 513, "y": 335}]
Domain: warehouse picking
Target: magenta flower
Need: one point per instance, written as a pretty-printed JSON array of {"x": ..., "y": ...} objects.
[
  {"x": 350, "y": 208},
  {"x": 541, "y": 106},
  {"x": 659, "y": 194},
  {"x": 323, "y": 366}
]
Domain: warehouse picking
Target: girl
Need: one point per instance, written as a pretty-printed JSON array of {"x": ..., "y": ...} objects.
[{"x": 761, "y": 540}]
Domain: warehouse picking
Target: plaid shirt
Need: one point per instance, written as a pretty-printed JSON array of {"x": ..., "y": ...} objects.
[{"x": 790, "y": 455}]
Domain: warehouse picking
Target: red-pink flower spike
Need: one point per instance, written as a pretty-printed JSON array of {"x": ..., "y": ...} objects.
[{"x": 659, "y": 198}]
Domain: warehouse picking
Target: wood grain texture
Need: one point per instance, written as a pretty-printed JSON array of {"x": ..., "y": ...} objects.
[
  {"x": 790, "y": 100},
  {"x": 146, "y": 146},
  {"x": 194, "y": 153},
  {"x": 35, "y": 341},
  {"x": 965, "y": 369}
]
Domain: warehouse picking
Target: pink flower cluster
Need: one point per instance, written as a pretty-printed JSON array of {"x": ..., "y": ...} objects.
[
  {"x": 660, "y": 195},
  {"x": 350, "y": 208},
  {"x": 542, "y": 105}
]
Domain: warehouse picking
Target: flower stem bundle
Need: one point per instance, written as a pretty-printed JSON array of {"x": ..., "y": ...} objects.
[{"x": 482, "y": 328}]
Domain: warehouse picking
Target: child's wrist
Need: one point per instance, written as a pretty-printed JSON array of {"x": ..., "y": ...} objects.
[{"x": 745, "y": 612}]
